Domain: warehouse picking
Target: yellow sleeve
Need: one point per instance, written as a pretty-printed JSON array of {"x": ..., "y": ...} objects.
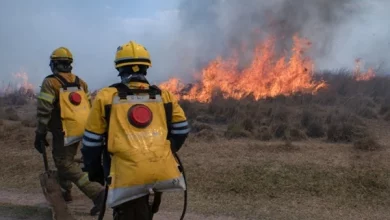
[
  {"x": 96, "y": 122},
  {"x": 179, "y": 124},
  {"x": 45, "y": 104}
]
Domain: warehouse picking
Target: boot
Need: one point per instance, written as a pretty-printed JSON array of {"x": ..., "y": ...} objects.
[
  {"x": 67, "y": 195},
  {"x": 98, "y": 203}
]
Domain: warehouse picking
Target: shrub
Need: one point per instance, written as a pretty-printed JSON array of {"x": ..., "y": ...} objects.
[
  {"x": 10, "y": 114},
  {"x": 31, "y": 123},
  {"x": 208, "y": 135},
  {"x": 346, "y": 132},
  {"x": 296, "y": 134},
  {"x": 279, "y": 130},
  {"x": 263, "y": 133},
  {"x": 367, "y": 144},
  {"x": 315, "y": 129},
  {"x": 247, "y": 124},
  {"x": 199, "y": 126},
  {"x": 366, "y": 112},
  {"x": 236, "y": 131}
]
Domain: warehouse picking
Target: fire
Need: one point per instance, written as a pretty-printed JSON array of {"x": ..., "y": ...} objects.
[
  {"x": 266, "y": 76},
  {"x": 362, "y": 76}
]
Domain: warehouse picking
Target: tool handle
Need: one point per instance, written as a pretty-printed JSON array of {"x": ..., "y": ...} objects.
[{"x": 45, "y": 162}]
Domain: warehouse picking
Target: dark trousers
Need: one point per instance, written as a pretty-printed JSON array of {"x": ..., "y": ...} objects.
[{"x": 137, "y": 209}]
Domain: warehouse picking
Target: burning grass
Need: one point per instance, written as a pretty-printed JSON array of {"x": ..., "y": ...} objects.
[{"x": 338, "y": 114}]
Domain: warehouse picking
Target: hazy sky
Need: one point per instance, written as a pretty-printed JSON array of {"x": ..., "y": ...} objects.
[
  {"x": 91, "y": 29},
  {"x": 181, "y": 35}
]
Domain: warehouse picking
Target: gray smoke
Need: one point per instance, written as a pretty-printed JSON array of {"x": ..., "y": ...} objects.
[{"x": 340, "y": 30}]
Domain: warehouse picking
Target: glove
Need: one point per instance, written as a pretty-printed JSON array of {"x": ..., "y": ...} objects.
[
  {"x": 96, "y": 175},
  {"x": 40, "y": 140}
]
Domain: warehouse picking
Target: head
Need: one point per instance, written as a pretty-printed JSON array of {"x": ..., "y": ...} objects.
[
  {"x": 132, "y": 61},
  {"x": 61, "y": 60}
]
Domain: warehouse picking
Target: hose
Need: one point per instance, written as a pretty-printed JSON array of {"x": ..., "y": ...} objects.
[{"x": 185, "y": 191}]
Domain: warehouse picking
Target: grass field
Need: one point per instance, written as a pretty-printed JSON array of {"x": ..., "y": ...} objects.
[{"x": 322, "y": 156}]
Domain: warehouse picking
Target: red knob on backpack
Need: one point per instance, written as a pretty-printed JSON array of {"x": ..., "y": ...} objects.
[
  {"x": 140, "y": 116},
  {"x": 75, "y": 98}
]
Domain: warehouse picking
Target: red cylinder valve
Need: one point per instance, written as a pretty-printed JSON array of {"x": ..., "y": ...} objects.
[
  {"x": 75, "y": 98},
  {"x": 140, "y": 116}
]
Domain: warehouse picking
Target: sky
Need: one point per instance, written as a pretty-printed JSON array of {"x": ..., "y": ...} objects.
[
  {"x": 91, "y": 29},
  {"x": 182, "y": 35}
]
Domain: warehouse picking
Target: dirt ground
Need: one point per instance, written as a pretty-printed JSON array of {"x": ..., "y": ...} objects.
[{"x": 229, "y": 179}]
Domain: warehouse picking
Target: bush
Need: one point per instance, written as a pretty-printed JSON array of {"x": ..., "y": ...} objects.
[
  {"x": 205, "y": 118},
  {"x": 247, "y": 124},
  {"x": 315, "y": 129},
  {"x": 263, "y": 133},
  {"x": 236, "y": 131},
  {"x": 10, "y": 114},
  {"x": 366, "y": 112},
  {"x": 307, "y": 118},
  {"x": 386, "y": 117},
  {"x": 206, "y": 134},
  {"x": 199, "y": 126},
  {"x": 296, "y": 134},
  {"x": 385, "y": 108},
  {"x": 30, "y": 123},
  {"x": 346, "y": 132},
  {"x": 367, "y": 144},
  {"x": 287, "y": 146},
  {"x": 279, "y": 130}
]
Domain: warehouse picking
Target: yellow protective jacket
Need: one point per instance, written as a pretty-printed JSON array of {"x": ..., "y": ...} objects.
[
  {"x": 49, "y": 114},
  {"x": 141, "y": 157}
]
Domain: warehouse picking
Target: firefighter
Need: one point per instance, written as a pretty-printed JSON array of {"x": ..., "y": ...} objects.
[
  {"x": 138, "y": 127},
  {"x": 63, "y": 105}
]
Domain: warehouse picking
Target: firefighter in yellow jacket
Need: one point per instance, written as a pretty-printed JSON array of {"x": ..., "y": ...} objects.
[
  {"x": 63, "y": 106},
  {"x": 136, "y": 126}
]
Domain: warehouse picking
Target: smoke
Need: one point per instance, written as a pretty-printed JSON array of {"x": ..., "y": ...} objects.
[{"x": 340, "y": 30}]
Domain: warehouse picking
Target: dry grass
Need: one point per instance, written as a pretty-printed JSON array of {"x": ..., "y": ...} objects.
[
  {"x": 9, "y": 113},
  {"x": 367, "y": 144},
  {"x": 299, "y": 157}
]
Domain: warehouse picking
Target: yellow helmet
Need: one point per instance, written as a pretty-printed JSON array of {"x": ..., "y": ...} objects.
[
  {"x": 132, "y": 53},
  {"x": 61, "y": 53}
]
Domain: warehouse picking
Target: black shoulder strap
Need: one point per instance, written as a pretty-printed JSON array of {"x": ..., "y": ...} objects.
[
  {"x": 124, "y": 91},
  {"x": 65, "y": 84}
]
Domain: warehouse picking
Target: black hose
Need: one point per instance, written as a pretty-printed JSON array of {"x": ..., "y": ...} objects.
[
  {"x": 185, "y": 191},
  {"x": 103, "y": 209}
]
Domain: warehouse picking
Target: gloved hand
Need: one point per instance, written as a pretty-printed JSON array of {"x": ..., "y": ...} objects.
[
  {"x": 40, "y": 140},
  {"x": 96, "y": 175}
]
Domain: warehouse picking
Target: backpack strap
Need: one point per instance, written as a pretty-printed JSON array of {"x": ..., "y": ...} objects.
[
  {"x": 65, "y": 84},
  {"x": 124, "y": 91}
]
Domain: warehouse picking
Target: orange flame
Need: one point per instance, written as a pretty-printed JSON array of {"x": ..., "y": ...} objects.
[
  {"x": 362, "y": 76},
  {"x": 266, "y": 76}
]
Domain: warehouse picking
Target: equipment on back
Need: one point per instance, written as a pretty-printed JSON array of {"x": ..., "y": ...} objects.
[
  {"x": 137, "y": 139},
  {"x": 132, "y": 54},
  {"x": 74, "y": 108}
]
